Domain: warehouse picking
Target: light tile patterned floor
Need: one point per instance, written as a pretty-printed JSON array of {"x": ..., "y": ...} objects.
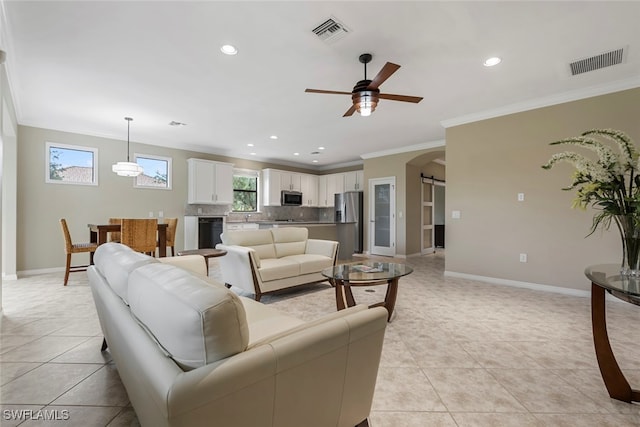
[{"x": 457, "y": 353}]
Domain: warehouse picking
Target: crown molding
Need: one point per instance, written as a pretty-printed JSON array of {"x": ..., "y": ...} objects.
[
  {"x": 547, "y": 101},
  {"x": 406, "y": 149}
]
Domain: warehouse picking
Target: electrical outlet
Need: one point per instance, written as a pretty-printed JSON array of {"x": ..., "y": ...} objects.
[
  {"x": 199, "y": 211},
  {"x": 160, "y": 214},
  {"x": 151, "y": 214},
  {"x": 523, "y": 257},
  {"x": 521, "y": 197}
]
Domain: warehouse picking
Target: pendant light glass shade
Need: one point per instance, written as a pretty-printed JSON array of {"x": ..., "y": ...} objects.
[{"x": 127, "y": 168}]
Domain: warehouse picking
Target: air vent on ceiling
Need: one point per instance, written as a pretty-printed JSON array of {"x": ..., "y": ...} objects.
[
  {"x": 596, "y": 62},
  {"x": 331, "y": 30}
]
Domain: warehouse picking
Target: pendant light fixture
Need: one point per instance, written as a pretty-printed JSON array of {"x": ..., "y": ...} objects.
[{"x": 127, "y": 168}]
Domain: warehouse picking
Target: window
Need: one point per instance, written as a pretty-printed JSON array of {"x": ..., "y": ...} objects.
[
  {"x": 157, "y": 171},
  {"x": 245, "y": 190},
  {"x": 71, "y": 164}
]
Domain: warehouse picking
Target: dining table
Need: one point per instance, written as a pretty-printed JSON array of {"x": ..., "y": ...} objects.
[{"x": 98, "y": 234}]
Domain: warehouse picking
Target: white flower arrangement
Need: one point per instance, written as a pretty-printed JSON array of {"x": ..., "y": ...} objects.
[{"x": 609, "y": 183}]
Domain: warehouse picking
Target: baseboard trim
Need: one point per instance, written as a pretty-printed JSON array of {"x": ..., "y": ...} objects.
[
  {"x": 39, "y": 271},
  {"x": 519, "y": 284},
  {"x": 9, "y": 276}
]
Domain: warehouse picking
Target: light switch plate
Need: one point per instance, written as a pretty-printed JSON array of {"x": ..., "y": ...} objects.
[{"x": 455, "y": 214}]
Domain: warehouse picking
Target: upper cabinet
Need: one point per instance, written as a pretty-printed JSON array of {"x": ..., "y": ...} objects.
[
  {"x": 209, "y": 182},
  {"x": 309, "y": 188},
  {"x": 317, "y": 191},
  {"x": 353, "y": 181},
  {"x": 328, "y": 186},
  {"x": 271, "y": 187}
]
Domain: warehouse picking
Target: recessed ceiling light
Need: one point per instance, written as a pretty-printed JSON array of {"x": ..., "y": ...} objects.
[
  {"x": 273, "y": 137},
  {"x": 253, "y": 154},
  {"x": 490, "y": 62},
  {"x": 314, "y": 161},
  {"x": 227, "y": 49},
  {"x": 249, "y": 145},
  {"x": 296, "y": 154},
  {"x": 320, "y": 148}
]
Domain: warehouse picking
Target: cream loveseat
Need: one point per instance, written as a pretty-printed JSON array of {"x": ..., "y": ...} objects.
[
  {"x": 262, "y": 261},
  {"x": 192, "y": 353}
]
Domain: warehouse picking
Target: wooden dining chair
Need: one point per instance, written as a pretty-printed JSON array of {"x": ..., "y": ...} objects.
[
  {"x": 172, "y": 224},
  {"x": 114, "y": 236},
  {"x": 139, "y": 234},
  {"x": 73, "y": 248}
]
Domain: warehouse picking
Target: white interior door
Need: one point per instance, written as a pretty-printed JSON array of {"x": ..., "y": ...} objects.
[
  {"x": 382, "y": 219},
  {"x": 427, "y": 217}
]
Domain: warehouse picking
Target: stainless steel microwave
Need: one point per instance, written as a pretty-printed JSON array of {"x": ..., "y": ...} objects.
[{"x": 291, "y": 198}]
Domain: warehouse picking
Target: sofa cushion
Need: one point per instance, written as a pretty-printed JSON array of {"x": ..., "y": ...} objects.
[
  {"x": 194, "y": 322},
  {"x": 311, "y": 263},
  {"x": 260, "y": 241},
  {"x": 278, "y": 268},
  {"x": 115, "y": 262},
  {"x": 289, "y": 240}
]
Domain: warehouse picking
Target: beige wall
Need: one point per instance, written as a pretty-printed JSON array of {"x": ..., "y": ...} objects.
[
  {"x": 490, "y": 161},
  {"x": 41, "y": 205}
]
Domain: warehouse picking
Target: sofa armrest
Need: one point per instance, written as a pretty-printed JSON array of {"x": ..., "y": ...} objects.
[
  {"x": 338, "y": 357},
  {"x": 237, "y": 266},
  {"x": 193, "y": 263},
  {"x": 327, "y": 248}
]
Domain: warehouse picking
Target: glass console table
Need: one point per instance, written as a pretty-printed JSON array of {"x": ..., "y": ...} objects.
[
  {"x": 607, "y": 278},
  {"x": 368, "y": 273}
]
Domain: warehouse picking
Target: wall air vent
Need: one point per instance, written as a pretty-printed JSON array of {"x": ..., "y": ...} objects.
[
  {"x": 331, "y": 30},
  {"x": 596, "y": 62}
]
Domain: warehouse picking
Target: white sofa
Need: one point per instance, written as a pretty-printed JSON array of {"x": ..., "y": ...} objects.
[
  {"x": 262, "y": 261},
  {"x": 193, "y": 353}
]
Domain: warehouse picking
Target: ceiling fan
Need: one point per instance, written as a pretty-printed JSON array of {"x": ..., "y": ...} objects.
[{"x": 365, "y": 93}]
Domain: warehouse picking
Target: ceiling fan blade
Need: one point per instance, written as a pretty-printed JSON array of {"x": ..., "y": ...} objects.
[
  {"x": 386, "y": 72},
  {"x": 350, "y": 111},
  {"x": 403, "y": 98},
  {"x": 332, "y": 92}
]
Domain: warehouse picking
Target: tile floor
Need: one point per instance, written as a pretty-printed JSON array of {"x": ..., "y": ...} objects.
[{"x": 457, "y": 353}]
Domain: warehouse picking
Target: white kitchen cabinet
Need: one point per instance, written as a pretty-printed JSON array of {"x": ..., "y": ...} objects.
[
  {"x": 271, "y": 187},
  {"x": 289, "y": 181},
  {"x": 309, "y": 189},
  {"x": 353, "y": 181},
  {"x": 209, "y": 182},
  {"x": 274, "y": 181},
  {"x": 328, "y": 186}
]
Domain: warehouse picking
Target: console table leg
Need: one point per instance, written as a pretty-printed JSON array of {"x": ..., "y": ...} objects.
[{"x": 614, "y": 379}]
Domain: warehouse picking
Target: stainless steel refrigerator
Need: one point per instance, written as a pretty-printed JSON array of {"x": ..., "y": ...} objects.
[{"x": 348, "y": 208}]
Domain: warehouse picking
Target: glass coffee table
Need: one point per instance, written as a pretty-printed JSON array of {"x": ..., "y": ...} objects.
[{"x": 368, "y": 273}]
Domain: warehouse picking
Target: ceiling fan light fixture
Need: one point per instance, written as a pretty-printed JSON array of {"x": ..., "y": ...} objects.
[
  {"x": 127, "y": 168},
  {"x": 366, "y": 105}
]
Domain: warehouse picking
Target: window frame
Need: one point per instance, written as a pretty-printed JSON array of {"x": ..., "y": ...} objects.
[
  {"x": 169, "y": 161},
  {"x": 247, "y": 173},
  {"x": 47, "y": 164}
]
